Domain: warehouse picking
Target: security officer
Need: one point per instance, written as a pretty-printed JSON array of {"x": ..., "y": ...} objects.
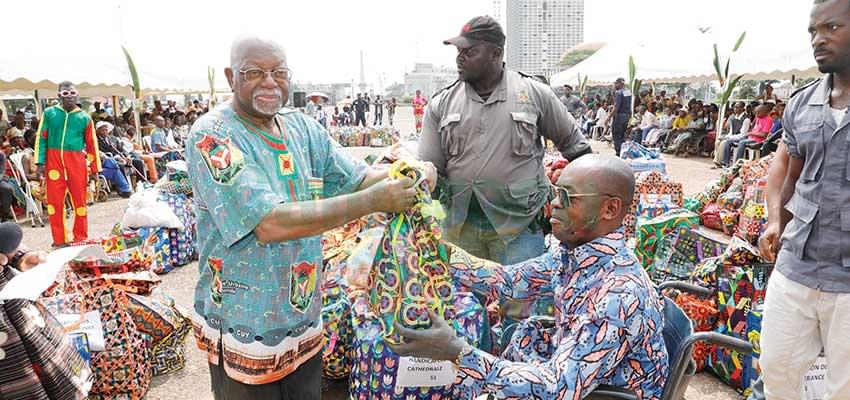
[
  {"x": 483, "y": 133},
  {"x": 573, "y": 103},
  {"x": 622, "y": 113},
  {"x": 808, "y": 298}
]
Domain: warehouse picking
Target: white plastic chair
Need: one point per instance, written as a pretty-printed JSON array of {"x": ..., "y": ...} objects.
[{"x": 33, "y": 207}]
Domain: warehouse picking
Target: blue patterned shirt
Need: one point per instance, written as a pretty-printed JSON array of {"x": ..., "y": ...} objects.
[
  {"x": 259, "y": 303},
  {"x": 608, "y": 326}
]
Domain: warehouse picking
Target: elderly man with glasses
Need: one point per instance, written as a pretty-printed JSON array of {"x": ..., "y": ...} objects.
[
  {"x": 268, "y": 181},
  {"x": 608, "y": 316},
  {"x": 66, "y": 148}
]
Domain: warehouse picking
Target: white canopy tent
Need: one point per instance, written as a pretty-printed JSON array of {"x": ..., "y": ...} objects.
[
  {"x": 92, "y": 59},
  {"x": 104, "y": 74},
  {"x": 689, "y": 58}
]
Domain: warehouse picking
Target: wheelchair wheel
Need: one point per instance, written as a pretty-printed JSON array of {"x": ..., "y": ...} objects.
[{"x": 101, "y": 195}]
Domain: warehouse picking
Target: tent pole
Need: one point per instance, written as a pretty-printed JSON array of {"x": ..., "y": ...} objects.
[
  {"x": 37, "y": 103},
  {"x": 116, "y": 109},
  {"x": 137, "y": 122}
]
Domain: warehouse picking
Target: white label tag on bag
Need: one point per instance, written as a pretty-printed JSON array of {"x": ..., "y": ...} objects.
[
  {"x": 424, "y": 372},
  {"x": 90, "y": 326},
  {"x": 814, "y": 382}
]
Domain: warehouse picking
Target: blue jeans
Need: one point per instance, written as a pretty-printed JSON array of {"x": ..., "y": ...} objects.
[
  {"x": 742, "y": 148},
  {"x": 479, "y": 238},
  {"x": 112, "y": 172},
  {"x": 727, "y": 147},
  {"x": 645, "y": 133}
]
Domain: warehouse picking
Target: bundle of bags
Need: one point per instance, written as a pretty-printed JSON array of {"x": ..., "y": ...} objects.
[
  {"x": 735, "y": 204},
  {"x": 655, "y": 194},
  {"x": 353, "y": 136},
  {"x": 127, "y": 328},
  {"x": 166, "y": 220},
  {"x": 642, "y": 159}
]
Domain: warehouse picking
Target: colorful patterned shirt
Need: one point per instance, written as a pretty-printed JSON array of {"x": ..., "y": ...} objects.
[
  {"x": 259, "y": 302},
  {"x": 608, "y": 322}
]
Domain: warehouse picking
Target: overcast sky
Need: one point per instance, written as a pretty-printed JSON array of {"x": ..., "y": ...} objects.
[{"x": 323, "y": 38}]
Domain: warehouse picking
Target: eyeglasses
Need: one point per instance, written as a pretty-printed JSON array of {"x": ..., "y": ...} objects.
[
  {"x": 564, "y": 197},
  {"x": 68, "y": 93},
  {"x": 280, "y": 75}
]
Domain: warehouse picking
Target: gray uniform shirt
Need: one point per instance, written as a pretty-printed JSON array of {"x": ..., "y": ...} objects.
[
  {"x": 816, "y": 242},
  {"x": 573, "y": 104},
  {"x": 494, "y": 149}
]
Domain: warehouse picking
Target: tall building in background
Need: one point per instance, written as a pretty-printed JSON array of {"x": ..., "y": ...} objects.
[{"x": 540, "y": 31}]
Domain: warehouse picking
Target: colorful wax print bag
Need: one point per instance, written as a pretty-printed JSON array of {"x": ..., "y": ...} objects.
[
  {"x": 375, "y": 371},
  {"x": 680, "y": 251},
  {"x": 753, "y": 214},
  {"x": 650, "y": 232},
  {"x": 649, "y": 187},
  {"x": 123, "y": 368},
  {"x": 410, "y": 269}
]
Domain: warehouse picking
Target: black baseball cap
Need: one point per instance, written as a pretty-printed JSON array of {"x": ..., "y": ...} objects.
[
  {"x": 479, "y": 30},
  {"x": 10, "y": 237}
]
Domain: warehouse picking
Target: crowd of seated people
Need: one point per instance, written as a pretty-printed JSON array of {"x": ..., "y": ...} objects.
[
  {"x": 164, "y": 130},
  {"x": 680, "y": 127},
  {"x": 124, "y": 158}
]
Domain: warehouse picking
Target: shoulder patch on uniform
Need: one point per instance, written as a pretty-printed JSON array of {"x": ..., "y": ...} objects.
[
  {"x": 522, "y": 96},
  {"x": 524, "y": 75},
  {"x": 806, "y": 86},
  {"x": 445, "y": 88},
  {"x": 223, "y": 160}
]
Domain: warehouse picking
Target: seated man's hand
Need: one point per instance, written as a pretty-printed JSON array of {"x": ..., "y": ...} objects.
[{"x": 439, "y": 342}]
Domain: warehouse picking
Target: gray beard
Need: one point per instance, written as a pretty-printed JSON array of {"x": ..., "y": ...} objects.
[{"x": 266, "y": 110}]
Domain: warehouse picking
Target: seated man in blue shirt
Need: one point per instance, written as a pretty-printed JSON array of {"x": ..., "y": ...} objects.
[
  {"x": 608, "y": 315},
  {"x": 159, "y": 137}
]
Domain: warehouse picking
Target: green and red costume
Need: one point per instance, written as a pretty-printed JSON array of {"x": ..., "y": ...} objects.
[{"x": 65, "y": 144}]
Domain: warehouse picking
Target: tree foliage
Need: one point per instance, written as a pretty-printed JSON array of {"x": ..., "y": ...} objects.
[{"x": 574, "y": 57}]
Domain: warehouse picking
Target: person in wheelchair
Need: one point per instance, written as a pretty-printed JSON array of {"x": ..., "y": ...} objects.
[
  {"x": 608, "y": 315},
  {"x": 113, "y": 160},
  {"x": 696, "y": 128}
]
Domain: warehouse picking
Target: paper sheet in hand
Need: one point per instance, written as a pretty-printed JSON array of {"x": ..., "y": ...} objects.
[
  {"x": 30, "y": 284},
  {"x": 90, "y": 325},
  {"x": 424, "y": 372}
]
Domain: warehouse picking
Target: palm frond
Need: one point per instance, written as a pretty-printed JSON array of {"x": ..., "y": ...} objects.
[
  {"x": 134, "y": 75},
  {"x": 740, "y": 41}
]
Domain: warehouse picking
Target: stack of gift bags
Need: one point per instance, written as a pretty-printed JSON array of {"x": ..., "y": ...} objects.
[
  {"x": 734, "y": 203},
  {"x": 739, "y": 280},
  {"x": 672, "y": 243},
  {"x": 642, "y": 159},
  {"x": 656, "y": 213},
  {"x": 353, "y": 136},
  {"x": 164, "y": 216},
  {"x": 655, "y": 195},
  {"x": 125, "y": 326}
]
